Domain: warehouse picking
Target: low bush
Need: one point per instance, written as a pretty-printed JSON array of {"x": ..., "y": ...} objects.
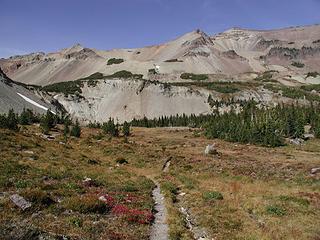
[
  {"x": 208, "y": 196},
  {"x": 276, "y": 210},
  {"x": 223, "y": 88},
  {"x": 195, "y": 77},
  {"x": 76, "y": 130},
  {"x": 173, "y": 60},
  {"x": 170, "y": 190},
  {"x": 298, "y": 64},
  {"x": 125, "y": 74},
  {"x": 70, "y": 87},
  {"x": 313, "y": 74},
  {"x": 115, "y": 61}
]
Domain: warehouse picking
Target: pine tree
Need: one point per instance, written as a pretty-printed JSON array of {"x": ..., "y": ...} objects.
[
  {"x": 126, "y": 129},
  {"x": 26, "y": 117},
  {"x": 48, "y": 121},
  {"x": 12, "y": 121},
  {"x": 76, "y": 130}
]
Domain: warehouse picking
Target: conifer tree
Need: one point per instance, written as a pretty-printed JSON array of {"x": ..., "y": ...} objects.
[
  {"x": 126, "y": 129},
  {"x": 76, "y": 130}
]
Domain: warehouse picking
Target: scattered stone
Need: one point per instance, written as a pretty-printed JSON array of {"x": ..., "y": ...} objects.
[
  {"x": 296, "y": 141},
  {"x": 28, "y": 152},
  {"x": 315, "y": 170},
  {"x": 210, "y": 150},
  {"x": 308, "y": 136},
  {"x": 3, "y": 195},
  {"x": 93, "y": 162},
  {"x": 47, "y": 137},
  {"x": 121, "y": 160},
  {"x": 62, "y": 143},
  {"x": 20, "y": 201},
  {"x": 166, "y": 165},
  {"x": 182, "y": 194},
  {"x": 88, "y": 182}
]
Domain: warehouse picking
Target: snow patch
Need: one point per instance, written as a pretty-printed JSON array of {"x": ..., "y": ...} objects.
[{"x": 34, "y": 103}]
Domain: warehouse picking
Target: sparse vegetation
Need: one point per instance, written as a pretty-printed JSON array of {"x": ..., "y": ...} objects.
[
  {"x": 125, "y": 74},
  {"x": 76, "y": 130},
  {"x": 195, "y": 77},
  {"x": 312, "y": 74},
  {"x": 276, "y": 210},
  {"x": 71, "y": 87},
  {"x": 297, "y": 64},
  {"x": 173, "y": 60},
  {"x": 208, "y": 196},
  {"x": 115, "y": 61},
  {"x": 152, "y": 71}
]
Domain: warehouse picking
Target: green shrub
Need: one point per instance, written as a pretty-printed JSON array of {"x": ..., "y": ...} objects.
[
  {"x": 70, "y": 87},
  {"x": 195, "y": 77},
  {"x": 26, "y": 117},
  {"x": 313, "y": 74},
  {"x": 276, "y": 210},
  {"x": 115, "y": 61},
  {"x": 212, "y": 196},
  {"x": 223, "y": 88},
  {"x": 111, "y": 128},
  {"x": 130, "y": 186},
  {"x": 47, "y": 122},
  {"x": 309, "y": 88},
  {"x": 297, "y": 64},
  {"x": 170, "y": 190},
  {"x": 152, "y": 71},
  {"x": 76, "y": 221},
  {"x": 9, "y": 121},
  {"x": 76, "y": 130},
  {"x": 173, "y": 60},
  {"x": 300, "y": 201},
  {"x": 126, "y": 129},
  {"x": 125, "y": 74}
]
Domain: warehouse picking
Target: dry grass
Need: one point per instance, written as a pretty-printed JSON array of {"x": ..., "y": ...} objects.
[{"x": 267, "y": 193}]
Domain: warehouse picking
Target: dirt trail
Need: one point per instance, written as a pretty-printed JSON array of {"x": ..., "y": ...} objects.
[{"x": 159, "y": 230}]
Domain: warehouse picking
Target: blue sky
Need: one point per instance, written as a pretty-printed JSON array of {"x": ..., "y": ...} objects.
[{"x": 48, "y": 25}]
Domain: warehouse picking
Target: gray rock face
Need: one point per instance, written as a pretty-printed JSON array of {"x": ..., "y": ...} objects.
[
  {"x": 11, "y": 97},
  {"x": 20, "y": 201}
]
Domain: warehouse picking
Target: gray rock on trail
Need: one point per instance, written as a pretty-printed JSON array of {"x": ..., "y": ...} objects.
[
  {"x": 210, "y": 150},
  {"x": 20, "y": 201}
]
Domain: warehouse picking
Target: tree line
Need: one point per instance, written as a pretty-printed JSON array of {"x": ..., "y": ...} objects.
[
  {"x": 253, "y": 124},
  {"x": 47, "y": 121}
]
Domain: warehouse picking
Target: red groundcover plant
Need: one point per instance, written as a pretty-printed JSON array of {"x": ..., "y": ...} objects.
[{"x": 132, "y": 215}]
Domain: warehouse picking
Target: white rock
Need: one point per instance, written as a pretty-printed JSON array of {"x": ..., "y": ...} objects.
[
  {"x": 210, "y": 149},
  {"x": 315, "y": 170},
  {"x": 20, "y": 201}
]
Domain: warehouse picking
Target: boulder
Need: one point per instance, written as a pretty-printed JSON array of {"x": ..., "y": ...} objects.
[
  {"x": 210, "y": 150},
  {"x": 296, "y": 141},
  {"x": 315, "y": 170},
  {"x": 20, "y": 201},
  {"x": 307, "y": 136}
]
